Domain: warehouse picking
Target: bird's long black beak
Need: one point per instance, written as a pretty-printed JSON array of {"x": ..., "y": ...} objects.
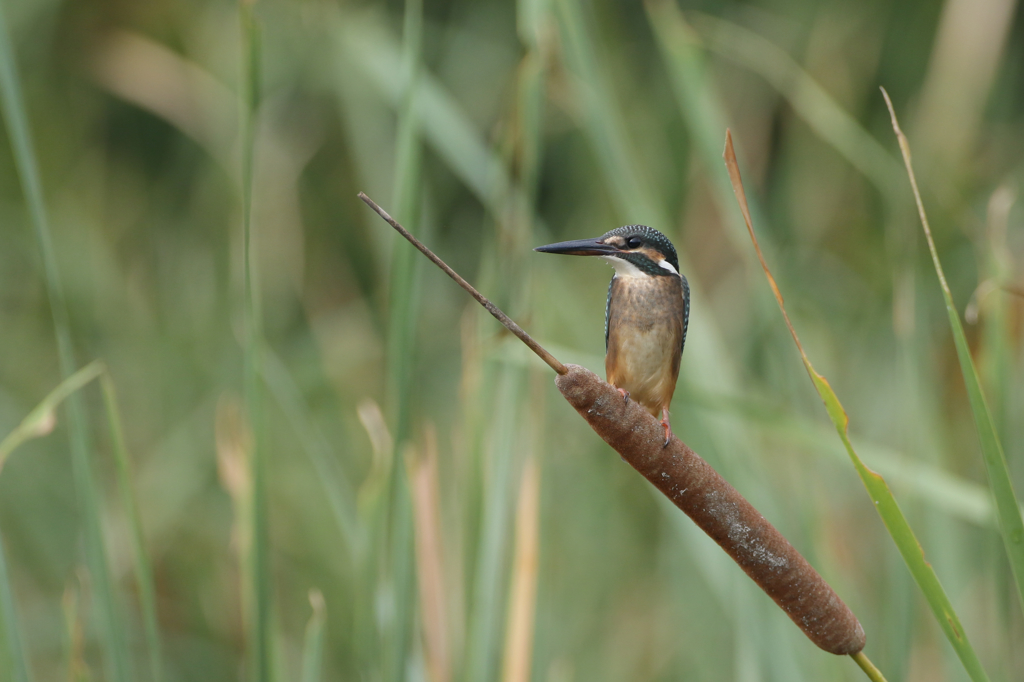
[{"x": 580, "y": 247}]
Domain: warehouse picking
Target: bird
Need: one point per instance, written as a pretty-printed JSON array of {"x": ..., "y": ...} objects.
[{"x": 646, "y": 315}]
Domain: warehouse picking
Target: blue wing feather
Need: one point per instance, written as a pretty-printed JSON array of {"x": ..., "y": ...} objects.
[
  {"x": 686, "y": 314},
  {"x": 608, "y": 310}
]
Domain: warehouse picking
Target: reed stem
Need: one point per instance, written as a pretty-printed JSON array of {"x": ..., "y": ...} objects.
[{"x": 547, "y": 357}]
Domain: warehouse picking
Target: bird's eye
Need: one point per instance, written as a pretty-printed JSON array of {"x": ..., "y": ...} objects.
[{"x": 634, "y": 242}]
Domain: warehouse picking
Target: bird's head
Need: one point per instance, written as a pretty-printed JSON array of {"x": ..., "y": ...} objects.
[{"x": 634, "y": 250}]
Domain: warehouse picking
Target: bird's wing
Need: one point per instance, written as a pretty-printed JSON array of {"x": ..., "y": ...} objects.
[
  {"x": 608, "y": 310},
  {"x": 686, "y": 314}
]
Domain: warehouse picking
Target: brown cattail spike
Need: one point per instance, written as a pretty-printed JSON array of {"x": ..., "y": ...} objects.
[{"x": 718, "y": 509}]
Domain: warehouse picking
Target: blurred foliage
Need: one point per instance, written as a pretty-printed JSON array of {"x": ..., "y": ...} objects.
[{"x": 399, "y": 420}]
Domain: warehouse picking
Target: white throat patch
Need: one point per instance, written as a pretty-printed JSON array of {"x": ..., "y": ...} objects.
[{"x": 623, "y": 268}]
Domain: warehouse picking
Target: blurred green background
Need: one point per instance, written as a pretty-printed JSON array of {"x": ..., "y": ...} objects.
[{"x": 421, "y": 471}]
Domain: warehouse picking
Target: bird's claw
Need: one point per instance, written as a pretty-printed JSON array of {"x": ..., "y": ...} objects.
[
  {"x": 624, "y": 392},
  {"x": 668, "y": 429}
]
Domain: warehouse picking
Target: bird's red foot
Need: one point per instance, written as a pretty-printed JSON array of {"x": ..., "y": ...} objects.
[
  {"x": 624, "y": 392},
  {"x": 668, "y": 429}
]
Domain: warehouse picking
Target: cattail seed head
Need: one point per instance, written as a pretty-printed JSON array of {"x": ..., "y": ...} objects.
[{"x": 718, "y": 509}]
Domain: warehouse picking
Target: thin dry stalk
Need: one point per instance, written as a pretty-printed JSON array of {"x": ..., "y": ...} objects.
[
  {"x": 523, "y": 600},
  {"x": 426, "y": 501},
  {"x": 1015, "y": 290},
  {"x": 547, "y": 357}
]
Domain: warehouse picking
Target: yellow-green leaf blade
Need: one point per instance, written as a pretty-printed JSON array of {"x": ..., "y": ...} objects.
[
  {"x": 906, "y": 542},
  {"x": 1011, "y": 524},
  {"x": 892, "y": 516}
]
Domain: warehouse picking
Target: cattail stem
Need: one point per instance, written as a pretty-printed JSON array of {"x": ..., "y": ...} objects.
[
  {"x": 873, "y": 673},
  {"x": 494, "y": 310}
]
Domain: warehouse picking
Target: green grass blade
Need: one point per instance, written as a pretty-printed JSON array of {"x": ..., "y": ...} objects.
[
  {"x": 405, "y": 267},
  {"x": 313, "y": 646},
  {"x": 398, "y": 550},
  {"x": 257, "y": 565},
  {"x": 1011, "y": 524},
  {"x": 892, "y": 516},
  {"x": 11, "y": 629},
  {"x": 129, "y": 502},
  {"x": 442, "y": 121},
  {"x": 41, "y": 420},
  {"x": 116, "y": 657},
  {"x": 37, "y": 423},
  {"x": 404, "y": 305},
  {"x": 603, "y": 122},
  {"x": 702, "y": 110},
  {"x": 810, "y": 101},
  {"x": 486, "y": 617},
  {"x": 534, "y": 20},
  {"x": 340, "y": 492}
]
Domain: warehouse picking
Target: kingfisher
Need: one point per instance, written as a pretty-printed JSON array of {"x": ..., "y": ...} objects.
[{"x": 646, "y": 314}]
